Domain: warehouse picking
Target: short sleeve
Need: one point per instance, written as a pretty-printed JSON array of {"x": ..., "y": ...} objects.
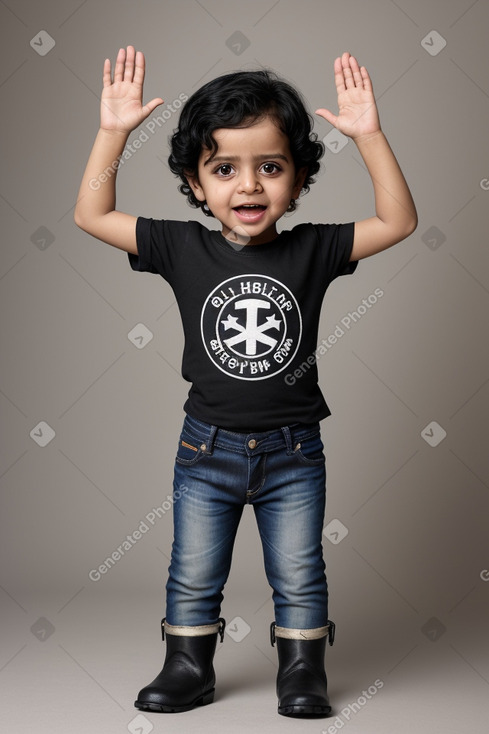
[
  {"x": 151, "y": 244},
  {"x": 336, "y": 244}
]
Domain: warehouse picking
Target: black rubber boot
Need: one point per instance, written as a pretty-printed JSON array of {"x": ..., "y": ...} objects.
[
  {"x": 188, "y": 678},
  {"x": 302, "y": 686}
]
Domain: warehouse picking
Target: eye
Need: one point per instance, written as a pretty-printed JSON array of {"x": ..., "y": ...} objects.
[
  {"x": 224, "y": 170},
  {"x": 270, "y": 168}
]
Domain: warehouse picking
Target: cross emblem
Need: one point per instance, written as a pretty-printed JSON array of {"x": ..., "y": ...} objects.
[{"x": 251, "y": 333}]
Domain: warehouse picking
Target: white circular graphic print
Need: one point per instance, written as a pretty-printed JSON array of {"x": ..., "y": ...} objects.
[{"x": 251, "y": 327}]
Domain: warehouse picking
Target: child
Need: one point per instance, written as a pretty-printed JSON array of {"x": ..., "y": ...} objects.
[{"x": 250, "y": 301}]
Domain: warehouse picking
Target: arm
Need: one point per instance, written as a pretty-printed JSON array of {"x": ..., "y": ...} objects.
[
  {"x": 121, "y": 111},
  {"x": 395, "y": 214}
]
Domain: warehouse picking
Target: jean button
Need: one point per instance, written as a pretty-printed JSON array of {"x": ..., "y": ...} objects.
[{"x": 252, "y": 444}]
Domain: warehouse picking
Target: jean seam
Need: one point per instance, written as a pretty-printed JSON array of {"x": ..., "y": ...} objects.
[
  {"x": 251, "y": 495},
  {"x": 190, "y": 434},
  {"x": 232, "y": 450},
  {"x": 190, "y": 462},
  {"x": 309, "y": 462}
]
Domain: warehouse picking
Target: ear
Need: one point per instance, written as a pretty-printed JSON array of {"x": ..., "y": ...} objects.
[
  {"x": 194, "y": 183},
  {"x": 299, "y": 182}
]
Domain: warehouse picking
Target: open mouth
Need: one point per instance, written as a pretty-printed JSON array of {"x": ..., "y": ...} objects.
[{"x": 250, "y": 212}]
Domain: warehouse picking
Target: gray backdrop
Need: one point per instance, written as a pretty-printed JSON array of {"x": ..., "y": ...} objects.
[{"x": 91, "y": 395}]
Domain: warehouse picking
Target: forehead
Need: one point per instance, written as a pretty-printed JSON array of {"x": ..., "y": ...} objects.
[{"x": 263, "y": 136}]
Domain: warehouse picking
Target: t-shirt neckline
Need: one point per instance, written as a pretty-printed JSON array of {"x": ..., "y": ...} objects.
[{"x": 245, "y": 250}]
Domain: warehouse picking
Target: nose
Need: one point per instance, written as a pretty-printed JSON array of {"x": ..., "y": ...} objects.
[{"x": 248, "y": 181}]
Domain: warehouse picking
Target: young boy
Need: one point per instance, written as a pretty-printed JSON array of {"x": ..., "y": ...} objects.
[{"x": 250, "y": 301}]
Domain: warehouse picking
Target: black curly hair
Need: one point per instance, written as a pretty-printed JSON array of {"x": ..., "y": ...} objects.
[{"x": 238, "y": 100}]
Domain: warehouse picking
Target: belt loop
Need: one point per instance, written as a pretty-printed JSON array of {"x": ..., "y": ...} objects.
[
  {"x": 288, "y": 439},
  {"x": 211, "y": 439}
]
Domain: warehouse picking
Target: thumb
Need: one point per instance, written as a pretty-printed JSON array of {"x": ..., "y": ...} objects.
[
  {"x": 150, "y": 106},
  {"x": 327, "y": 115}
]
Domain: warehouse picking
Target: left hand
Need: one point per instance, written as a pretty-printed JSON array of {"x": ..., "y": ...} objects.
[
  {"x": 357, "y": 115},
  {"x": 121, "y": 108}
]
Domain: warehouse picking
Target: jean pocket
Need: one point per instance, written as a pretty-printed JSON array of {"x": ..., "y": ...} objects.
[
  {"x": 310, "y": 451},
  {"x": 190, "y": 450}
]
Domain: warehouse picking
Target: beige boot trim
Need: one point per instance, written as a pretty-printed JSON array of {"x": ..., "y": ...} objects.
[
  {"x": 295, "y": 634},
  {"x": 197, "y": 631}
]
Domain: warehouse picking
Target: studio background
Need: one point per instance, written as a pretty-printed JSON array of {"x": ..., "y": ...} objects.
[{"x": 91, "y": 394}]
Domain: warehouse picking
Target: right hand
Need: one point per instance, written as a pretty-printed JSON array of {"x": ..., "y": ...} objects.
[{"x": 121, "y": 108}]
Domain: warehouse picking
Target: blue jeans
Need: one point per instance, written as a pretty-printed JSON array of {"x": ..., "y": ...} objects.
[{"x": 282, "y": 474}]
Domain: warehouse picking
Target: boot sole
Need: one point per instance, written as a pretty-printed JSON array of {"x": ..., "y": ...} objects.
[
  {"x": 302, "y": 710},
  {"x": 160, "y": 708}
]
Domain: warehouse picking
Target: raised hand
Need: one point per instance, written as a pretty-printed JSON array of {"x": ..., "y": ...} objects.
[
  {"x": 357, "y": 111},
  {"x": 121, "y": 107}
]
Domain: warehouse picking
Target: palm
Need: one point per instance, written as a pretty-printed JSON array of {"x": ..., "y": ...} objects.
[
  {"x": 121, "y": 105},
  {"x": 357, "y": 110}
]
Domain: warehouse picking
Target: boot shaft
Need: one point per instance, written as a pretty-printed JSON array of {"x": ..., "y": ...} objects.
[
  {"x": 187, "y": 678},
  {"x": 301, "y": 679}
]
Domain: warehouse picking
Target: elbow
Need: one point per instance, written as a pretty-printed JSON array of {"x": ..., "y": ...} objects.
[
  {"x": 78, "y": 219},
  {"x": 412, "y": 225},
  {"x": 414, "y": 221},
  {"x": 82, "y": 221}
]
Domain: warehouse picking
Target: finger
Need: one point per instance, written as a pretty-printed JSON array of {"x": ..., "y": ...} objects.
[
  {"x": 357, "y": 76},
  {"x": 339, "y": 76},
  {"x": 367, "y": 82},
  {"x": 106, "y": 76},
  {"x": 328, "y": 116},
  {"x": 119, "y": 65},
  {"x": 129, "y": 66},
  {"x": 140, "y": 68},
  {"x": 347, "y": 72}
]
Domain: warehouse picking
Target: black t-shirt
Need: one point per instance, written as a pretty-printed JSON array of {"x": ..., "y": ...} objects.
[{"x": 250, "y": 317}]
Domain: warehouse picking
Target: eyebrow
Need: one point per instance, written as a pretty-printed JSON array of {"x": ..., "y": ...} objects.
[{"x": 233, "y": 158}]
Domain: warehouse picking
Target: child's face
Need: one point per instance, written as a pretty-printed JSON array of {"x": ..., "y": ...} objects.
[{"x": 252, "y": 166}]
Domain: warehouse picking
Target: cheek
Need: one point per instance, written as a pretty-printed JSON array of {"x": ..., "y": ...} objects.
[
  {"x": 217, "y": 194},
  {"x": 282, "y": 195}
]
